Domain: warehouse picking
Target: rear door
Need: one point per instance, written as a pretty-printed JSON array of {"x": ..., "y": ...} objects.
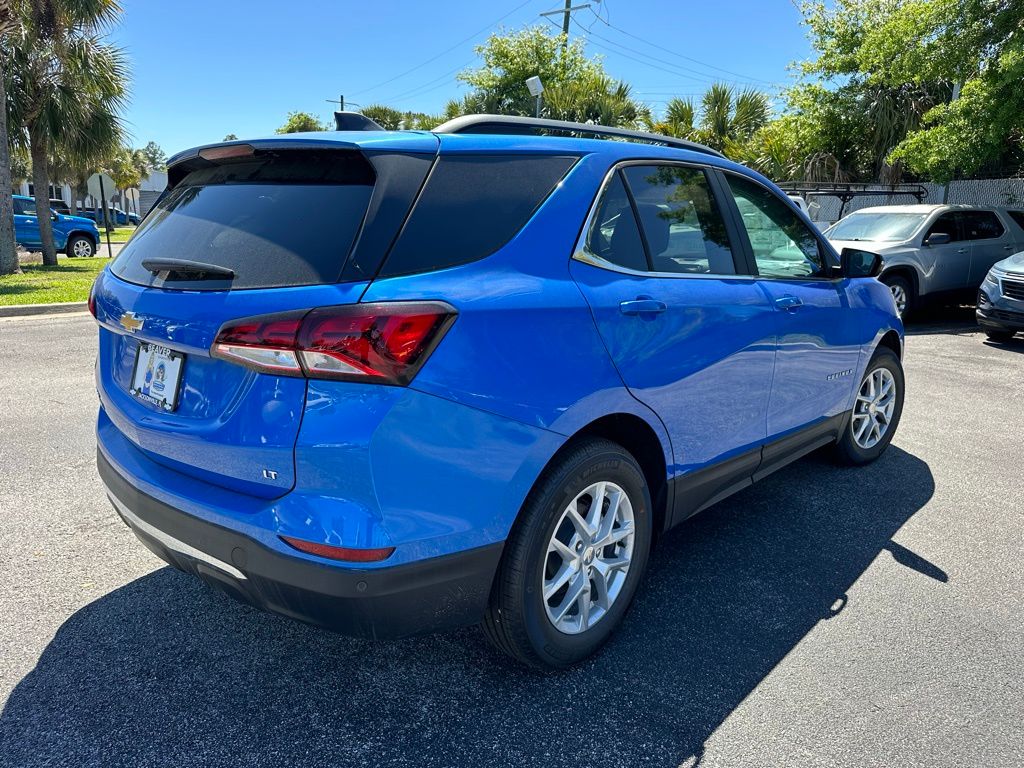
[
  {"x": 947, "y": 266},
  {"x": 691, "y": 335},
  {"x": 26, "y": 224},
  {"x": 284, "y": 222},
  {"x": 819, "y": 342},
  {"x": 990, "y": 241}
]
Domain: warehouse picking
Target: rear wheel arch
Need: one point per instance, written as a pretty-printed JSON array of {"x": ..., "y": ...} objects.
[{"x": 643, "y": 443}]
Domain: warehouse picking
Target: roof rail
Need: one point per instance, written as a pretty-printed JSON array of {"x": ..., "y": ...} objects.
[{"x": 514, "y": 124}]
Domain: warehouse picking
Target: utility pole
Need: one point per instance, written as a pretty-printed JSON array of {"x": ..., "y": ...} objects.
[
  {"x": 566, "y": 14},
  {"x": 340, "y": 101}
]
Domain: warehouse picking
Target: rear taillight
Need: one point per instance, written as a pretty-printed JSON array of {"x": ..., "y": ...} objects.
[
  {"x": 386, "y": 342},
  {"x": 92, "y": 299}
]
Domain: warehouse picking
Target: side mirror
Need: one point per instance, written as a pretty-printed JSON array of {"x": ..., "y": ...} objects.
[
  {"x": 938, "y": 238},
  {"x": 854, "y": 262},
  {"x": 54, "y": 215}
]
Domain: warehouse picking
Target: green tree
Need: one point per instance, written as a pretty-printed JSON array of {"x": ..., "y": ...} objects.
[
  {"x": 575, "y": 87},
  {"x": 726, "y": 120},
  {"x": 230, "y": 137},
  {"x": 301, "y": 122},
  {"x": 65, "y": 86},
  {"x": 128, "y": 167},
  {"x": 384, "y": 116},
  {"x": 156, "y": 158},
  {"x": 892, "y": 67}
]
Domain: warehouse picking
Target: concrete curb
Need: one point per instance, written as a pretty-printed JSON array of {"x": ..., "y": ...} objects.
[{"x": 22, "y": 310}]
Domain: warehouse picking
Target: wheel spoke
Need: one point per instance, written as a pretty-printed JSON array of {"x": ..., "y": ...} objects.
[
  {"x": 596, "y": 505},
  {"x": 559, "y": 580},
  {"x": 565, "y": 551},
  {"x": 616, "y": 535},
  {"x": 585, "y": 605},
  {"x": 577, "y": 588},
  {"x": 610, "y": 516},
  {"x": 578, "y": 522},
  {"x": 601, "y": 596}
]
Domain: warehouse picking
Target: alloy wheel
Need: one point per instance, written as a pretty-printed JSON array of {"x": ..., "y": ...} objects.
[
  {"x": 873, "y": 411},
  {"x": 588, "y": 558},
  {"x": 82, "y": 248},
  {"x": 899, "y": 293}
]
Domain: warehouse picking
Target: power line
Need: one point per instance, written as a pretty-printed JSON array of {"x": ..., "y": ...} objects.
[
  {"x": 418, "y": 90},
  {"x": 677, "y": 69},
  {"x": 681, "y": 56},
  {"x": 446, "y": 50}
]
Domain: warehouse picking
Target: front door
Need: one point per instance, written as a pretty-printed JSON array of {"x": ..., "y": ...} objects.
[
  {"x": 26, "y": 225},
  {"x": 819, "y": 342},
  {"x": 691, "y": 336}
]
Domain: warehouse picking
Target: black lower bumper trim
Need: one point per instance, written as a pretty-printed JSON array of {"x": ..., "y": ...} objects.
[
  {"x": 413, "y": 598},
  {"x": 1000, "y": 320}
]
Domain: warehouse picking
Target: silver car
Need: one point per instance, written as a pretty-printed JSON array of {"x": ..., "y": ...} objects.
[
  {"x": 1001, "y": 299},
  {"x": 932, "y": 251}
]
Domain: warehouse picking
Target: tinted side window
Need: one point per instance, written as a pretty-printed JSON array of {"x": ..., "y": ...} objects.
[
  {"x": 1017, "y": 216},
  {"x": 470, "y": 207},
  {"x": 681, "y": 223},
  {"x": 981, "y": 225},
  {"x": 945, "y": 225},
  {"x": 19, "y": 208},
  {"x": 614, "y": 235},
  {"x": 783, "y": 245}
]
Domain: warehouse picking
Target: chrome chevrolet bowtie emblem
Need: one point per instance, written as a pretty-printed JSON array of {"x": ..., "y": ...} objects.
[{"x": 130, "y": 322}]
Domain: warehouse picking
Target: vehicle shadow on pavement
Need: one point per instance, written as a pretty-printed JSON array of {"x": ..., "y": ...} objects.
[{"x": 165, "y": 671}]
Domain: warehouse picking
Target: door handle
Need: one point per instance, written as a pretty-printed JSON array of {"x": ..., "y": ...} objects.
[
  {"x": 643, "y": 305},
  {"x": 789, "y": 303},
  {"x": 1009, "y": 247},
  {"x": 961, "y": 250}
]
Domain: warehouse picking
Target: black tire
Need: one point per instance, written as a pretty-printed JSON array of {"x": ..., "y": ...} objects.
[
  {"x": 999, "y": 336},
  {"x": 898, "y": 282},
  {"x": 86, "y": 247},
  {"x": 848, "y": 451},
  {"x": 516, "y": 621}
]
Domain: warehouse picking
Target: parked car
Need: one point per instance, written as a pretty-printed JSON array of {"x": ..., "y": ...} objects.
[
  {"x": 1000, "y": 309},
  {"x": 117, "y": 216},
  {"x": 73, "y": 235},
  {"x": 480, "y": 379},
  {"x": 932, "y": 251}
]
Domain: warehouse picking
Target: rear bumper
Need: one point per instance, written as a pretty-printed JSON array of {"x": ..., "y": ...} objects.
[{"x": 424, "y": 596}]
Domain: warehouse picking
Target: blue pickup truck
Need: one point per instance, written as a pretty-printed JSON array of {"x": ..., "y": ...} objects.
[{"x": 73, "y": 235}]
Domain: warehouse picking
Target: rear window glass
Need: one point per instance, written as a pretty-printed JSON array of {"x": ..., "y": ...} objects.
[
  {"x": 275, "y": 220},
  {"x": 470, "y": 207}
]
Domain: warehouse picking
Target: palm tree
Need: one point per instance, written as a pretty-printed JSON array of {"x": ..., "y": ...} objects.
[
  {"x": 725, "y": 121},
  {"x": 8, "y": 250},
  {"x": 65, "y": 87}
]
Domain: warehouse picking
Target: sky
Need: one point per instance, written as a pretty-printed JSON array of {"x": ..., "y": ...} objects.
[{"x": 202, "y": 70}]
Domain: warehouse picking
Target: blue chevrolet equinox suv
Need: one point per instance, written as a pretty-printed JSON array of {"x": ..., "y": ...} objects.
[{"x": 397, "y": 382}]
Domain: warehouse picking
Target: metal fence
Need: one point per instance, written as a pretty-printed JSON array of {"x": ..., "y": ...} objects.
[{"x": 994, "y": 192}]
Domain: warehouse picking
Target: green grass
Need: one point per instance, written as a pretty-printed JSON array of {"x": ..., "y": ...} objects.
[
  {"x": 119, "y": 235},
  {"x": 70, "y": 280}
]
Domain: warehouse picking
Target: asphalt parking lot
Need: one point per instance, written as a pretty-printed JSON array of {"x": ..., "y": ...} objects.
[{"x": 823, "y": 617}]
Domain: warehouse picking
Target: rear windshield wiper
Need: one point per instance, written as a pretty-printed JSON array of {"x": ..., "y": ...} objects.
[{"x": 183, "y": 269}]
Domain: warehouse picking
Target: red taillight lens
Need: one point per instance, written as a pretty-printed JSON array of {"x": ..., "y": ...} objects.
[
  {"x": 350, "y": 554},
  {"x": 92, "y": 300},
  {"x": 385, "y": 342}
]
